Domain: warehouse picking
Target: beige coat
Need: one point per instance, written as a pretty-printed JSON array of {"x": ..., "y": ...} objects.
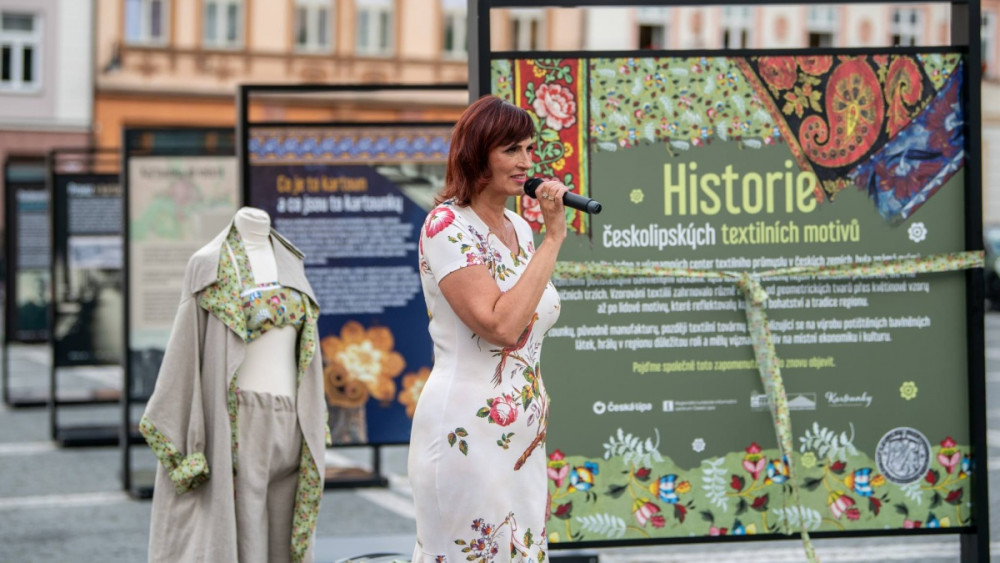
[{"x": 187, "y": 424}]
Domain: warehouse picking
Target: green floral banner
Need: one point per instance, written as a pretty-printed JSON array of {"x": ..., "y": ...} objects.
[{"x": 749, "y": 342}]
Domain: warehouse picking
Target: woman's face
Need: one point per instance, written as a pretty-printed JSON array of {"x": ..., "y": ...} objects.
[{"x": 509, "y": 167}]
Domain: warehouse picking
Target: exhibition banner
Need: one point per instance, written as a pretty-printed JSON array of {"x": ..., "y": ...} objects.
[
  {"x": 718, "y": 174},
  {"x": 87, "y": 272},
  {"x": 28, "y": 254},
  {"x": 176, "y": 205},
  {"x": 353, "y": 199}
]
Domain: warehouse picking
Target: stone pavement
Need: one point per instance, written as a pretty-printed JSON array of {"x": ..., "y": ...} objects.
[{"x": 67, "y": 504}]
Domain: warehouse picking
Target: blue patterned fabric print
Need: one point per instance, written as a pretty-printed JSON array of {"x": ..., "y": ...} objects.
[{"x": 911, "y": 167}]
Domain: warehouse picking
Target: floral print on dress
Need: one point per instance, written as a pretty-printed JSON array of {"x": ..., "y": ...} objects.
[
  {"x": 523, "y": 392},
  {"x": 437, "y": 220},
  {"x": 485, "y": 544},
  {"x": 483, "y": 409}
]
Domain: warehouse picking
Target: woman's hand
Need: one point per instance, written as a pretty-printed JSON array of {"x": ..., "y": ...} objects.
[{"x": 550, "y": 199}]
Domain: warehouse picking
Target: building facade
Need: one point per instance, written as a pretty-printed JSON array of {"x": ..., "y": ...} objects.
[
  {"x": 683, "y": 28},
  {"x": 46, "y": 88},
  {"x": 46, "y": 76},
  {"x": 179, "y": 62},
  {"x": 76, "y": 72}
]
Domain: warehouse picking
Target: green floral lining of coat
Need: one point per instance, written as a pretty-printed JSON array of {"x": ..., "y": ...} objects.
[
  {"x": 222, "y": 298},
  {"x": 186, "y": 472},
  {"x": 309, "y": 490}
]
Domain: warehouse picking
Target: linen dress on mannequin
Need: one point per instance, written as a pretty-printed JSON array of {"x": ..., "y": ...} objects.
[{"x": 477, "y": 450}]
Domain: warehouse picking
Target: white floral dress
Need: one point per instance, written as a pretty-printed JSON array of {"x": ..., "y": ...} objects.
[{"x": 477, "y": 449}]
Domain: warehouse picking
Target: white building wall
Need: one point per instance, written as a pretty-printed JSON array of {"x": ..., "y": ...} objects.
[
  {"x": 609, "y": 29},
  {"x": 73, "y": 62},
  {"x": 686, "y": 34},
  {"x": 65, "y": 100},
  {"x": 781, "y": 27},
  {"x": 37, "y": 107},
  {"x": 861, "y": 20}
]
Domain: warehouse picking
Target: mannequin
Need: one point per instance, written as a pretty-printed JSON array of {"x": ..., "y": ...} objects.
[
  {"x": 269, "y": 366},
  {"x": 236, "y": 419}
]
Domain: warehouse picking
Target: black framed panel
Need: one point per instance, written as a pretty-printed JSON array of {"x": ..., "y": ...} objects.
[
  {"x": 642, "y": 123},
  {"x": 311, "y": 177},
  {"x": 179, "y": 189},
  {"x": 86, "y": 297},
  {"x": 27, "y": 260}
]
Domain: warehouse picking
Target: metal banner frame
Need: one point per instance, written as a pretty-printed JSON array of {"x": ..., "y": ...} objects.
[
  {"x": 11, "y": 222},
  {"x": 93, "y": 162},
  {"x": 351, "y": 476},
  {"x": 965, "y": 35},
  {"x": 162, "y": 142}
]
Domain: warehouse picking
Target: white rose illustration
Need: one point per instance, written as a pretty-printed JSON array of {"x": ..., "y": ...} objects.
[
  {"x": 917, "y": 232},
  {"x": 698, "y": 445}
]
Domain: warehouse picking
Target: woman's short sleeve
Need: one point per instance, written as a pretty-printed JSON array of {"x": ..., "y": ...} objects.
[{"x": 447, "y": 243}]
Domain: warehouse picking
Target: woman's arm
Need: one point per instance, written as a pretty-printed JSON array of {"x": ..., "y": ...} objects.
[{"x": 500, "y": 317}]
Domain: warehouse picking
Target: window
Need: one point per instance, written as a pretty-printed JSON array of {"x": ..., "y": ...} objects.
[
  {"x": 652, "y": 27},
  {"x": 374, "y": 31},
  {"x": 146, "y": 21},
  {"x": 20, "y": 52},
  {"x": 821, "y": 21},
  {"x": 736, "y": 25},
  {"x": 988, "y": 40},
  {"x": 223, "y": 24},
  {"x": 905, "y": 26},
  {"x": 312, "y": 25},
  {"x": 455, "y": 39},
  {"x": 526, "y": 26}
]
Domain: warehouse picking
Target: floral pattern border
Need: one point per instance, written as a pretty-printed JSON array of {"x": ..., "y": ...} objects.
[
  {"x": 833, "y": 112},
  {"x": 836, "y": 111},
  {"x": 348, "y": 145},
  {"x": 749, "y": 492},
  {"x": 552, "y": 91}
]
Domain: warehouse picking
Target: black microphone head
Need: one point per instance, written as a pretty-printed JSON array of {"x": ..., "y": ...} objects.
[
  {"x": 593, "y": 207},
  {"x": 531, "y": 185}
]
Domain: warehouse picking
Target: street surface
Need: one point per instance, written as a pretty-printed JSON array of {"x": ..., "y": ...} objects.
[{"x": 67, "y": 504}]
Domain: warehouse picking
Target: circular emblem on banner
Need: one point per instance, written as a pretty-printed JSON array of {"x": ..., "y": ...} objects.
[
  {"x": 903, "y": 455},
  {"x": 600, "y": 407}
]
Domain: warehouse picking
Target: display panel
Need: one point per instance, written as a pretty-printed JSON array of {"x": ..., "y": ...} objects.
[
  {"x": 87, "y": 272},
  {"x": 176, "y": 204},
  {"x": 28, "y": 252},
  {"x": 718, "y": 173},
  {"x": 353, "y": 198}
]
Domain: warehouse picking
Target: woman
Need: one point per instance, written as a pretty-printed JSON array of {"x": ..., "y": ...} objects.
[{"x": 477, "y": 450}]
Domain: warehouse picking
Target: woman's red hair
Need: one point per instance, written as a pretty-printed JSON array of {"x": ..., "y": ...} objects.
[{"x": 485, "y": 125}]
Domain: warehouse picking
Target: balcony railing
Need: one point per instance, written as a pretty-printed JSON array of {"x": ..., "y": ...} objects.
[{"x": 195, "y": 69}]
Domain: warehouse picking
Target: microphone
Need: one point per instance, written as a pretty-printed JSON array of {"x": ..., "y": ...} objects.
[{"x": 570, "y": 199}]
